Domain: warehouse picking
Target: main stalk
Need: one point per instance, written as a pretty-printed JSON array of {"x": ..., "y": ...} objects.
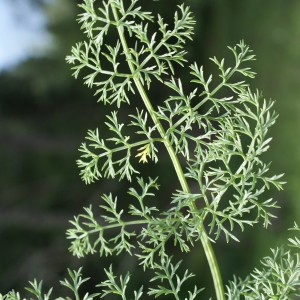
[{"x": 209, "y": 252}]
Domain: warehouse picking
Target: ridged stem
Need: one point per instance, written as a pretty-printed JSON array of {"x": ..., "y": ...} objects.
[{"x": 209, "y": 252}]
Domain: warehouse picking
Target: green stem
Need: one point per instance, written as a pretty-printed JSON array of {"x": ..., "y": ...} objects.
[
  {"x": 209, "y": 252},
  {"x": 128, "y": 146}
]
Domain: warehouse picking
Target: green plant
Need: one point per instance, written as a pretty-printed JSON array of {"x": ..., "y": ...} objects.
[{"x": 214, "y": 136}]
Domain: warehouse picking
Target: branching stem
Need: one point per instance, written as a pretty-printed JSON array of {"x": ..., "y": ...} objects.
[{"x": 216, "y": 275}]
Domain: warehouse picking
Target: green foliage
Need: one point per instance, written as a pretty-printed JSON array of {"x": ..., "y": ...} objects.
[
  {"x": 168, "y": 274},
  {"x": 144, "y": 59},
  {"x": 279, "y": 278},
  {"x": 215, "y": 136},
  {"x": 36, "y": 289}
]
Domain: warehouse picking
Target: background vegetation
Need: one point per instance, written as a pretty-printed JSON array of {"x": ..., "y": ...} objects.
[{"x": 45, "y": 114}]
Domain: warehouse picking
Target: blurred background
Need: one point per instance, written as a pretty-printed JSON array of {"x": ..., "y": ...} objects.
[{"x": 45, "y": 114}]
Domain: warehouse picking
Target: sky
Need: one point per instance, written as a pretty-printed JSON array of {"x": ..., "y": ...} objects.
[{"x": 22, "y": 32}]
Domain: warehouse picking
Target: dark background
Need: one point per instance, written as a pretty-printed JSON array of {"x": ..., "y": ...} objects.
[{"x": 45, "y": 114}]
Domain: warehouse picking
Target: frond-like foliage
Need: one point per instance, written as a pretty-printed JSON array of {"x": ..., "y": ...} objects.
[
  {"x": 112, "y": 167},
  {"x": 36, "y": 289},
  {"x": 149, "y": 57},
  {"x": 222, "y": 139},
  {"x": 217, "y": 132},
  {"x": 219, "y": 129},
  {"x": 279, "y": 277}
]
